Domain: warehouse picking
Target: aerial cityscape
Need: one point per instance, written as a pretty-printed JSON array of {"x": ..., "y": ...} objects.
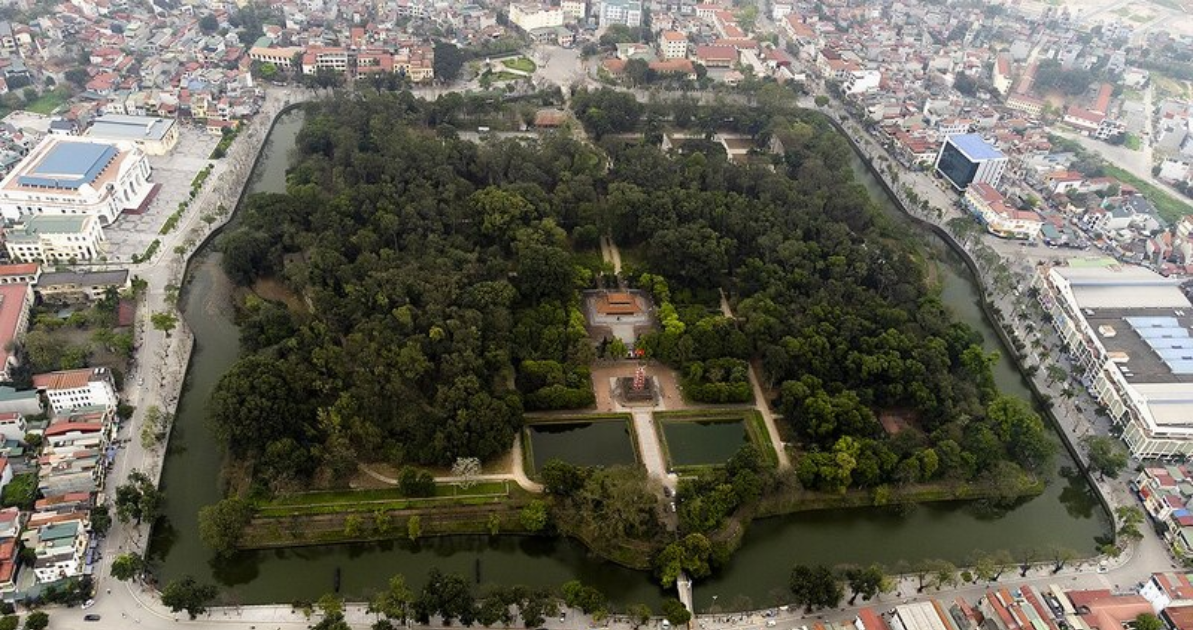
[{"x": 596, "y": 314}]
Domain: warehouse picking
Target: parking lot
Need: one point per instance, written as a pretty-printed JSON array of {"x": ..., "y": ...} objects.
[{"x": 132, "y": 233}]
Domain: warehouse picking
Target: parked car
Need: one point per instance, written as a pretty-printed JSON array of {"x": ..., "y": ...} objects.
[{"x": 92, "y": 617}]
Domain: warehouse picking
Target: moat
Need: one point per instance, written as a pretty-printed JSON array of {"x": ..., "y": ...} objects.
[{"x": 1065, "y": 514}]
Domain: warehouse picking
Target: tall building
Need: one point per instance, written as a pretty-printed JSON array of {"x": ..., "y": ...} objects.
[
  {"x": 673, "y": 45},
  {"x": 1130, "y": 331},
  {"x": 76, "y": 176},
  {"x": 967, "y": 159},
  {"x": 627, "y": 12},
  {"x": 530, "y": 16}
]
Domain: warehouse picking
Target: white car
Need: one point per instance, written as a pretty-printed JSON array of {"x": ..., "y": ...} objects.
[{"x": 88, "y": 604}]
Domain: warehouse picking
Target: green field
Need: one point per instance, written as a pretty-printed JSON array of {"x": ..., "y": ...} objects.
[
  {"x": 337, "y": 501},
  {"x": 520, "y": 64},
  {"x": 47, "y": 103}
]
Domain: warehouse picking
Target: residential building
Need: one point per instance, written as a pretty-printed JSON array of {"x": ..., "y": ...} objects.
[
  {"x": 527, "y": 16},
  {"x": 1101, "y": 610},
  {"x": 10, "y": 523},
  {"x": 1002, "y": 73},
  {"x": 319, "y": 58},
  {"x": 59, "y": 550},
  {"x": 860, "y": 81},
  {"x": 9, "y": 565},
  {"x": 154, "y": 136},
  {"x": 968, "y": 158},
  {"x": 81, "y": 286},
  {"x": 1001, "y": 219},
  {"x": 25, "y": 402},
  {"x": 927, "y": 615},
  {"x": 55, "y": 238},
  {"x": 673, "y": 45},
  {"x": 1165, "y": 590},
  {"x": 15, "y": 302},
  {"x": 12, "y": 426},
  {"x": 574, "y": 10},
  {"x": 1129, "y": 330},
  {"x": 76, "y": 176},
  {"x": 627, "y": 12},
  {"x": 72, "y": 389}
]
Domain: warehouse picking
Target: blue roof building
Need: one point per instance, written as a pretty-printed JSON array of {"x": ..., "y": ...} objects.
[{"x": 967, "y": 159}]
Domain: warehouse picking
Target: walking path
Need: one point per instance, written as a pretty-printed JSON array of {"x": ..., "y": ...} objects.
[
  {"x": 649, "y": 448},
  {"x": 516, "y": 474},
  {"x": 760, "y": 403}
]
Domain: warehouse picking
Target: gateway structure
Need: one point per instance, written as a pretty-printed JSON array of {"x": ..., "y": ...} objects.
[
  {"x": 76, "y": 176},
  {"x": 1130, "y": 330}
]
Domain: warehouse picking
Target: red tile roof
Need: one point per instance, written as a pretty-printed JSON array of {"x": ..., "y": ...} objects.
[
  {"x": 68, "y": 379},
  {"x": 60, "y": 428},
  {"x": 24, "y": 269},
  {"x": 13, "y": 306}
]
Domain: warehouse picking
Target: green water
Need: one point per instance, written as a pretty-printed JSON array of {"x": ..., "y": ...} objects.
[
  {"x": 703, "y": 443},
  {"x": 607, "y": 443}
]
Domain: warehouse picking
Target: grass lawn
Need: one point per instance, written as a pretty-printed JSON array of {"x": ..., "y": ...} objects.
[
  {"x": 47, "y": 103},
  {"x": 334, "y": 497},
  {"x": 505, "y": 76},
  {"x": 1133, "y": 141},
  {"x": 520, "y": 64}
]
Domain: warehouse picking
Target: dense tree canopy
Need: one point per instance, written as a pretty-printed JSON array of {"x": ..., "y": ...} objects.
[{"x": 441, "y": 285}]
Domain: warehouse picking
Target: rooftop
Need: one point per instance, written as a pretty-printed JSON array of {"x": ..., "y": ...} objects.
[
  {"x": 1149, "y": 345},
  {"x": 68, "y": 379},
  {"x": 13, "y": 305},
  {"x": 86, "y": 278},
  {"x": 69, "y": 165},
  {"x": 121, "y": 127},
  {"x": 48, "y": 224},
  {"x": 975, "y": 147}
]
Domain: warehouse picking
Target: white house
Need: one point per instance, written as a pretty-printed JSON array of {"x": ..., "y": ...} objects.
[
  {"x": 1167, "y": 589},
  {"x": 154, "y": 136},
  {"x": 528, "y": 17},
  {"x": 76, "y": 176},
  {"x": 990, "y": 208},
  {"x": 860, "y": 81},
  {"x": 71, "y": 389}
]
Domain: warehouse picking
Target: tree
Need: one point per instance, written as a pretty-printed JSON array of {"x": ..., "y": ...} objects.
[
  {"x": 38, "y": 620},
  {"x": 164, "y": 321},
  {"x": 128, "y": 566},
  {"x": 1061, "y": 556},
  {"x": 393, "y": 603},
  {"x": 676, "y": 613},
  {"x": 414, "y": 527},
  {"x": 534, "y": 517},
  {"x": 639, "y": 614},
  {"x": 562, "y": 479},
  {"x": 815, "y": 587},
  {"x": 222, "y": 525},
  {"x": 414, "y": 482},
  {"x": 21, "y": 492},
  {"x": 447, "y": 61},
  {"x": 185, "y": 594},
  {"x": 100, "y": 519},
  {"x": 1144, "y": 621},
  {"x": 9, "y": 622},
  {"x": 466, "y": 469},
  {"x": 209, "y": 24},
  {"x": 448, "y": 596},
  {"x": 138, "y": 499},
  {"x": 1130, "y": 518},
  {"x": 867, "y": 582},
  {"x": 78, "y": 77},
  {"x": 1106, "y": 455}
]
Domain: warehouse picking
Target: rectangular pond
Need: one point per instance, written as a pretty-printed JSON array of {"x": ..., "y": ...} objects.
[
  {"x": 703, "y": 442},
  {"x": 582, "y": 443}
]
